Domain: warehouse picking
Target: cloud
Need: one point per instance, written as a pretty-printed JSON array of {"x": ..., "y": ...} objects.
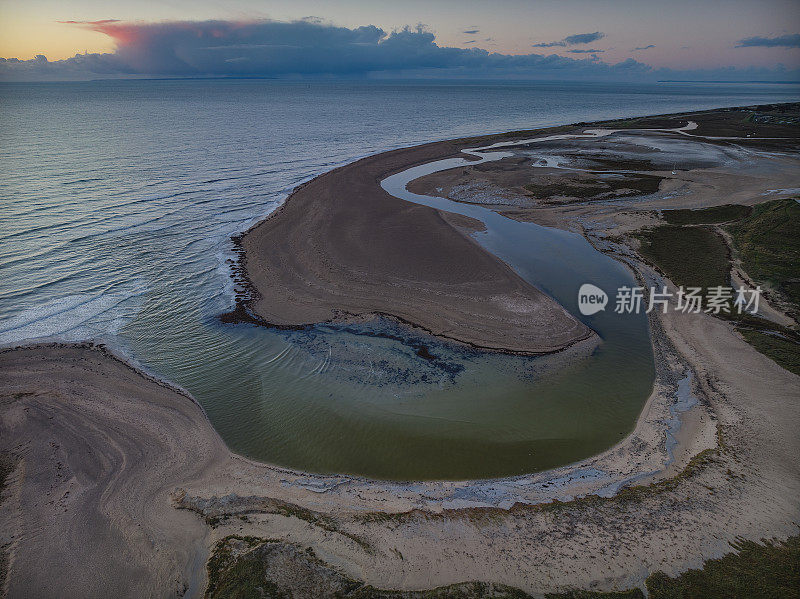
[
  {"x": 590, "y": 51},
  {"x": 584, "y": 38},
  {"x": 783, "y": 41},
  {"x": 90, "y": 23},
  {"x": 268, "y": 48},
  {"x": 647, "y": 47},
  {"x": 471, "y": 31},
  {"x": 304, "y": 48},
  {"x": 571, "y": 40}
]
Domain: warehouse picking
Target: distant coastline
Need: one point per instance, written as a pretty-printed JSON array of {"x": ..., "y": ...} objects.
[{"x": 754, "y": 81}]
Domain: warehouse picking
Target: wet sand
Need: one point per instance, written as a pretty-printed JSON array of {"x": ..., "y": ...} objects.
[{"x": 557, "y": 183}]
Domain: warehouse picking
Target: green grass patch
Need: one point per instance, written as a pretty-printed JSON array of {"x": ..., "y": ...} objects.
[
  {"x": 688, "y": 256},
  {"x": 756, "y": 571},
  {"x": 768, "y": 243},
  {"x": 228, "y": 575},
  {"x": 768, "y": 239},
  {"x": 785, "y": 352},
  {"x": 705, "y": 216}
]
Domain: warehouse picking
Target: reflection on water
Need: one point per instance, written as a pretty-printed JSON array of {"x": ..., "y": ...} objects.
[{"x": 118, "y": 200}]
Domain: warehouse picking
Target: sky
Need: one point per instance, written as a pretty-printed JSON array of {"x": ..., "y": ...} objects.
[{"x": 573, "y": 39}]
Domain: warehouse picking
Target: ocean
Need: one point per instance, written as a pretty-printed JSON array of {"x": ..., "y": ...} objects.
[{"x": 118, "y": 200}]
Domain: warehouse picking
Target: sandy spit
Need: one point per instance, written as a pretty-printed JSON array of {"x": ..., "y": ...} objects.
[{"x": 342, "y": 248}]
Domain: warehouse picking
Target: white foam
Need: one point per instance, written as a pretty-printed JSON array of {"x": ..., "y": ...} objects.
[{"x": 72, "y": 318}]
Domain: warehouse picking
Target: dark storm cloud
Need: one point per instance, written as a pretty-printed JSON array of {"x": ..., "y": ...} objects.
[
  {"x": 647, "y": 47},
  {"x": 471, "y": 31},
  {"x": 783, "y": 41},
  {"x": 302, "y": 48},
  {"x": 306, "y": 47},
  {"x": 590, "y": 51}
]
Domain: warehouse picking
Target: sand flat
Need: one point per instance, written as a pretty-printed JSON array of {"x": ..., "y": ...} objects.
[{"x": 341, "y": 247}]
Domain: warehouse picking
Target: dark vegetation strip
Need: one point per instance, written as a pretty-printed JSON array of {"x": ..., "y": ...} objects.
[
  {"x": 598, "y": 188},
  {"x": 768, "y": 243},
  {"x": 688, "y": 256},
  {"x": 489, "y": 515},
  {"x": 713, "y": 215},
  {"x": 781, "y": 350},
  {"x": 767, "y": 240},
  {"x": 244, "y": 567},
  {"x": 755, "y": 571}
]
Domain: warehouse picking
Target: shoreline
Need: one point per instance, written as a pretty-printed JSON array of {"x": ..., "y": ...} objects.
[
  {"x": 242, "y": 312},
  {"x": 126, "y": 457},
  {"x": 251, "y": 305},
  {"x": 237, "y": 485},
  {"x": 114, "y": 357}
]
